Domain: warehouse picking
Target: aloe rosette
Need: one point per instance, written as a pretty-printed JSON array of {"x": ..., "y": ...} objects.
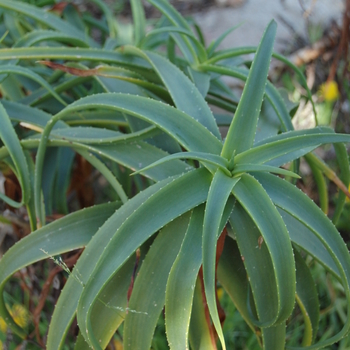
[{"x": 227, "y": 186}]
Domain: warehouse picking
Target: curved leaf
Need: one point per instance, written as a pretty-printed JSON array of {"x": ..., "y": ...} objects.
[
  {"x": 148, "y": 295},
  {"x": 31, "y": 75},
  {"x": 67, "y": 304},
  {"x": 9, "y": 137},
  {"x": 257, "y": 269},
  {"x": 178, "y": 197},
  {"x": 133, "y": 155},
  {"x": 185, "y": 95},
  {"x": 304, "y": 238},
  {"x": 184, "y": 269},
  {"x": 111, "y": 307},
  {"x": 249, "y": 168},
  {"x": 74, "y": 54},
  {"x": 186, "y": 46},
  {"x": 260, "y": 208},
  {"x": 45, "y": 18},
  {"x": 306, "y": 211},
  {"x": 188, "y": 132},
  {"x": 289, "y": 145},
  {"x": 212, "y": 159},
  {"x": 92, "y": 135},
  {"x": 53, "y": 239}
]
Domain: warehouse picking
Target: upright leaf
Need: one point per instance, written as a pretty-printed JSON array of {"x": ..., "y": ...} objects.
[
  {"x": 138, "y": 15},
  {"x": 184, "y": 269},
  {"x": 219, "y": 192},
  {"x": 262, "y": 211},
  {"x": 247, "y": 113}
]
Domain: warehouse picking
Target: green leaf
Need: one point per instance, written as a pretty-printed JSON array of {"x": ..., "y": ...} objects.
[
  {"x": 74, "y": 54},
  {"x": 186, "y": 46},
  {"x": 184, "y": 269},
  {"x": 133, "y": 155},
  {"x": 274, "y": 337},
  {"x": 343, "y": 163},
  {"x": 174, "y": 199},
  {"x": 170, "y": 30},
  {"x": 250, "y": 168},
  {"x": 139, "y": 20},
  {"x": 30, "y": 205},
  {"x": 288, "y": 146},
  {"x": 259, "y": 271},
  {"x": 185, "y": 95},
  {"x": 307, "y": 299},
  {"x": 241, "y": 133},
  {"x": 184, "y": 129},
  {"x": 307, "y": 212},
  {"x": 304, "y": 238},
  {"x": 67, "y": 304},
  {"x": 53, "y": 239},
  {"x": 29, "y": 74},
  {"x": 219, "y": 192},
  {"x": 258, "y": 205},
  {"x": 112, "y": 24},
  {"x": 148, "y": 295},
  {"x": 271, "y": 93},
  {"x": 200, "y": 156},
  {"x": 111, "y": 307},
  {"x": 201, "y": 80},
  {"x": 320, "y": 181},
  {"x": 199, "y": 333},
  {"x": 187, "y": 131},
  {"x": 45, "y": 18},
  {"x": 215, "y": 43},
  {"x": 109, "y": 176},
  {"x": 9, "y": 137},
  {"x": 92, "y": 135},
  {"x": 233, "y": 277},
  {"x": 224, "y": 54},
  {"x": 37, "y": 36}
]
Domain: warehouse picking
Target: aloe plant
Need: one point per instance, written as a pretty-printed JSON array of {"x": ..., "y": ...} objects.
[{"x": 206, "y": 210}]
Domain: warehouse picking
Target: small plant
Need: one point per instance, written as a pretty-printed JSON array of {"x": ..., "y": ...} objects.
[{"x": 197, "y": 210}]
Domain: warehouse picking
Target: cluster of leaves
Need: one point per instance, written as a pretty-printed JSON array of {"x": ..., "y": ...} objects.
[{"x": 140, "y": 104}]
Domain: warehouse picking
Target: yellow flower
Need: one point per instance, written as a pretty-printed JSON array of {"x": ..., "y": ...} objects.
[
  {"x": 118, "y": 345},
  {"x": 3, "y": 326},
  {"x": 329, "y": 91},
  {"x": 220, "y": 293},
  {"x": 1, "y": 345},
  {"x": 20, "y": 315}
]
